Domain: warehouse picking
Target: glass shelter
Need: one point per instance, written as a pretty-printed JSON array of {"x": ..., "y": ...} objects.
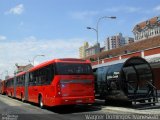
[{"x": 126, "y": 80}]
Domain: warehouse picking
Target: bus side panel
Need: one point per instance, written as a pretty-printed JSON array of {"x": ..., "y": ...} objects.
[
  {"x": 35, "y": 92},
  {"x": 18, "y": 92},
  {"x": 48, "y": 94}
]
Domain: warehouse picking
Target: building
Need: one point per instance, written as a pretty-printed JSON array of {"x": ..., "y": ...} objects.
[
  {"x": 129, "y": 40},
  {"x": 117, "y": 41},
  {"x": 114, "y": 42},
  {"x": 82, "y": 50},
  {"x": 93, "y": 50},
  {"x": 130, "y": 48},
  {"x": 147, "y": 29},
  {"x": 148, "y": 49},
  {"x": 23, "y": 68}
]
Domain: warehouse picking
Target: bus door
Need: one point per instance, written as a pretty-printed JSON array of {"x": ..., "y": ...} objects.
[
  {"x": 26, "y": 86},
  {"x": 14, "y": 86}
]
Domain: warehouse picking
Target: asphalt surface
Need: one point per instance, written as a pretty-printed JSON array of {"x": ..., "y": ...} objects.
[{"x": 13, "y": 109}]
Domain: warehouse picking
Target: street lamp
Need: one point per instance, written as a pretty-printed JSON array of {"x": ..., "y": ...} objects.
[
  {"x": 35, "y": 57},
  {"x": 96, "y": 30},
  {"x": 111, "y": 17}
]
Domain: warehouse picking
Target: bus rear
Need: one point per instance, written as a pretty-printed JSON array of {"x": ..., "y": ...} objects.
[{"x": 74, "y": 82}]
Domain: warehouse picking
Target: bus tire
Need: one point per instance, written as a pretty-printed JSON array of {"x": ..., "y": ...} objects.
[
  {"x": 41, "y": 105},
  {"x": 22, "y": 97},
  {"x": 7, "y": 94}
]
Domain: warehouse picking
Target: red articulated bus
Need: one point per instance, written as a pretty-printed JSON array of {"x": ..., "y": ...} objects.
[
  {"x": 56, "y": 82},
  {"x": 2, "y": 87},
  {"x": 60, "y": 82}
]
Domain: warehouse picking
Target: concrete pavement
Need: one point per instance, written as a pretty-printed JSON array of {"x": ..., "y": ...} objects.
[{"x": 29, "y": 111}]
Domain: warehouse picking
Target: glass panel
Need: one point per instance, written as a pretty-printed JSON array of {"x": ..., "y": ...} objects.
[
  {"x": 114, "y": 71},
  {"x": 102, "y": 73},
  {"x": 145, "y": 76},
  {"x": 73, "y": 69},
  {"x": 131, "y": 78},
  {"x": 134, "y": 62},
  {"x": 42, "y": 76}
]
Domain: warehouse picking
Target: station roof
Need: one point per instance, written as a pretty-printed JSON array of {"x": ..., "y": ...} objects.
[
  {"x": 109, "y": 63},
  {"x": 154, "y": 62},
  {"x": 132, "y": 47}
]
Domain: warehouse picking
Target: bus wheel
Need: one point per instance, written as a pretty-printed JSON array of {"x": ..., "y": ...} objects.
[
  {"x": 7, "y": 94},
  {"x": 22, "y": 98},
  {"x": 41, "y": 102}
]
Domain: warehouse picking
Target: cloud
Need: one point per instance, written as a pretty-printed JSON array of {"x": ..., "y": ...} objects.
[
  {"x": 22, "y": 52},
  {"x": 17, "y": 10},
  {"x": 128, "y": 9},
  {"x": 83, "y": 14},
  {"x": 131, "y": 9},
  {"x": 2, "y": 37},
  {"x": 157, "y": 8}
]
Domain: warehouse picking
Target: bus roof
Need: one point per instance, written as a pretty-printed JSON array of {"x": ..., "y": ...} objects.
[
  {"x": 10, "y": 78},
  {"x": 69, "y": 60},
  {"x": 21, "y": 73},
  {"x": 76, "y": 60}
]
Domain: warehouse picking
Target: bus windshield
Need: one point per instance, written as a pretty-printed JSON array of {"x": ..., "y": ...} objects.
[{"x": 73, "y": 69}]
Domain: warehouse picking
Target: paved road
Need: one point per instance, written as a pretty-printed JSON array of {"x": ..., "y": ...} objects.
[{"x": 13, "y": 108}]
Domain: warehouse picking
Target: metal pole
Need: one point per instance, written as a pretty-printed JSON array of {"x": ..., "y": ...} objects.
[
  {"x": 112, "y": 17},
  {"x": 35, "y": 58}
]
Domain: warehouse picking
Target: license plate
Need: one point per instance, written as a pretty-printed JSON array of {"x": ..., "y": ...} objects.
[{"x": 78, "y": 101}]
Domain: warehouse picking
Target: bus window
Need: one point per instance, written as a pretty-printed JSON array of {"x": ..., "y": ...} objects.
[
  {"x": 46, "y": 74},
  {"x": 31, "y": 79},
  {"x": 50, "y": 73},
  {"x": 73, "y": 69},
  {"x": 42, "y": 76}
]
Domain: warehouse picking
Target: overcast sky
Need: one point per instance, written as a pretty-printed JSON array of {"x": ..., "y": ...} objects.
[{"x": 57, "y": 28}]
